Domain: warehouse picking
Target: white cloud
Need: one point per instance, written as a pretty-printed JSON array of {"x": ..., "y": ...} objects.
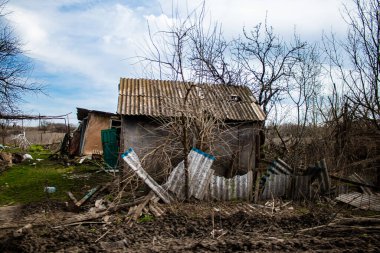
[
  {"x": 88, "y": 44},
  {"x": 309, "y": 17}
]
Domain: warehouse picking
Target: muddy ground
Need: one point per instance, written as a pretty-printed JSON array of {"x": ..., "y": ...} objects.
[{"x": 237, "y": 227}]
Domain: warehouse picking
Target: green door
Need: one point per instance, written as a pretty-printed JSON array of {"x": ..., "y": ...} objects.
[{"x": 110, "y": 147}]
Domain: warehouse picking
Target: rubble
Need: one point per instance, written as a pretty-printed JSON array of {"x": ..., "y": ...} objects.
[
  {"x": 87, "y": 196},
  {"x": 361, "y": 200},
  {"x": 5, "y": 161}
]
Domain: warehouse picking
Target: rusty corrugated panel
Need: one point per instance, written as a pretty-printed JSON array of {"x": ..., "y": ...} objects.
[
  {"x": 238, "y": 187},
  {"x": 361, "y": 200},
  {"x": 200, "y": 173},
  {"x": 165, "y": 98}
]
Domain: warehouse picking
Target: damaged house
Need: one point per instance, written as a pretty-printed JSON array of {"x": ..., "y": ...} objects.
[
  {"x": 158, "y": 117},
  {"x": 97, "y": 134}
]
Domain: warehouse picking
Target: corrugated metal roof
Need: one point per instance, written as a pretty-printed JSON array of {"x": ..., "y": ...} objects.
[{"x": 166, "y": 98}]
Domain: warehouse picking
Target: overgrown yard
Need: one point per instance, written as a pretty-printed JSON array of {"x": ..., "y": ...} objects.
[{"x": 25, "y": 182}]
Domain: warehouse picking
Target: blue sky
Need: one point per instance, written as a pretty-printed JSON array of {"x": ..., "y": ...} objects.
[{"x": 81, "y": 48}]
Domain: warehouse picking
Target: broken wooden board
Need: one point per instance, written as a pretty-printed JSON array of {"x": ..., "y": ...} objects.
[
  {"x": 324, "y": 176},
  {"x": 355, "y": 177},
  {"x": 72, "y": 197}
]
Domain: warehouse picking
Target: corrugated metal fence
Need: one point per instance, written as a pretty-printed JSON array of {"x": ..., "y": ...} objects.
[{"x": 236, "y": 188}]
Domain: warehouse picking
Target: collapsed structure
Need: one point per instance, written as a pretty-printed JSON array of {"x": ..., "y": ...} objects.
[
  {"x": 228, "y": 113},
  {"x": 162, "y": 120}
]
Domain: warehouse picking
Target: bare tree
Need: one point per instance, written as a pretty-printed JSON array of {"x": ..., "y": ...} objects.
[
  {"x": 268, "y": 61},
  {"x": 355, "y": 61},
  {"x": 211, "y": 58},
  {"x": 14, "y": 67},
  {"x": 303, "y": 89}
]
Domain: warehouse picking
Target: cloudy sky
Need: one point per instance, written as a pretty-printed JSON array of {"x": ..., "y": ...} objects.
[{"x": 81, "y": 48}]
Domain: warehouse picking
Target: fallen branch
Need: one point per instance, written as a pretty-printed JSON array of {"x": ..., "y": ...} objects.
[
  {"x": 312, "y": 228},
  {"x": 125, "y": 205},
  {"x": 79, "y": 223},
  {"x": 102, "y": 236},
  {"x": 358, "y": 221},
  {"x": 345, "y": 224}
]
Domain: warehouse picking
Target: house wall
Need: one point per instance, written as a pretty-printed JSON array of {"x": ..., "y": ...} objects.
[
  {"x": 235, "y": 150},
  {"x": 144, "y": 136},
  {"x": 92, "y": 142}
]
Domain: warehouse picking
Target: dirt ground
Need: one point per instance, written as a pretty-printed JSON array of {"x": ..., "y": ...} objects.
[{"x": 232, "y": 227}]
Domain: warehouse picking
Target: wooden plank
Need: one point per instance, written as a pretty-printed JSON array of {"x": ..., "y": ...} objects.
[
  {"x": 357, "y": 178},
  {"x": 87, "y": 196},
  {"x": 72, "y": 197},
  {"x": 257, "y": 184}
]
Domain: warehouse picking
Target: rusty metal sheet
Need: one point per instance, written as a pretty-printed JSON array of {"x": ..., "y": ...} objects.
[
  {"x": 164, "y": 98},
  {"x": 200, "y": 173},
  {"x": 236, "y": 188},
  {"x": 361, "y": 200}
]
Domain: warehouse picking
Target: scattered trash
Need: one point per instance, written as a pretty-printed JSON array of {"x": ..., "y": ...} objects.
[
  {"x": 84, "y": 176},
  {"x": 50, "y": 189},
  {"x": 22, "y": 141},
  {"x": 83, "y": 158},
  {"x": 217, "y": 233},
  {"x": 5, "y": 160},
  {"x": 27, "y": 157},
  {"x": 22, "y": 230},
  {"x": 72, "y": 197},
  {"x": 86, "y": 197}
]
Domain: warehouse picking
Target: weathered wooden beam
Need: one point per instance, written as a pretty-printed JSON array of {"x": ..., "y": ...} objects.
[{"x": 344, "y": 180}]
